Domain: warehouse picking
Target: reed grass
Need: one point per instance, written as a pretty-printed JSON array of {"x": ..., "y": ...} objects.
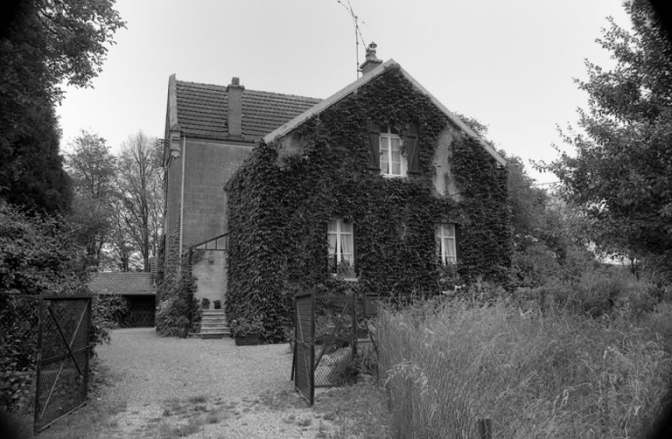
[{"x": 554, "y": 374}]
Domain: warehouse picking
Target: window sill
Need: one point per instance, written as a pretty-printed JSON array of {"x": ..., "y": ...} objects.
[{"x": 346, "y": 278}]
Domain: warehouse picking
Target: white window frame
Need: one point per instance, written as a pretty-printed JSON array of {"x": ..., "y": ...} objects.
[
  {"x": 337, "y": 228},
  {"x": 446, "y": 243},
  {"x": 385, "y": 145}
]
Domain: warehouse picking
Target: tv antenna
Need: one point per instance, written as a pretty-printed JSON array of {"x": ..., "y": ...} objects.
[{"x": 358, "y": 33}]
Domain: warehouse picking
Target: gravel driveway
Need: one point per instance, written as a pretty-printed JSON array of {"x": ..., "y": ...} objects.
[{"x": 197, "y": 388}]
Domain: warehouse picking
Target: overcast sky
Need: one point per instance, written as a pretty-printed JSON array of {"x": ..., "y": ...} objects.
[{"x": 510, "y": 64}]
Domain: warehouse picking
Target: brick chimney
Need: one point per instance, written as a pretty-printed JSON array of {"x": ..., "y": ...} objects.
[
  {"x": 235, "y": 110},
  {"x": 371, "y": 60}
]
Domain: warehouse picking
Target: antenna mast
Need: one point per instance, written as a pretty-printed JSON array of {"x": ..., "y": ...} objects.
[{"x": 358, "y": 32}]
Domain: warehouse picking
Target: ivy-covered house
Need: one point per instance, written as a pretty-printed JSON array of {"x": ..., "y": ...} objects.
[{"x": 381, "y": 185}]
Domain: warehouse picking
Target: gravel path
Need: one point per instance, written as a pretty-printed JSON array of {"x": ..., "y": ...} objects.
[{"x": 197, "y": 388}]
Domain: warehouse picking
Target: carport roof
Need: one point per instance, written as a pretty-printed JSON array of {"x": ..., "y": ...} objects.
[{"x": 127, "y": 284}]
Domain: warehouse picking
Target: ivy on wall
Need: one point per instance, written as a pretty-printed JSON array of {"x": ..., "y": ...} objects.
[
  {"x": 282, "y": 199},
  {"x": 177, "y": 307}
]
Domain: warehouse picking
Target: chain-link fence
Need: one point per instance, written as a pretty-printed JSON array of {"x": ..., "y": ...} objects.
[{"x": 335, "y": 338}]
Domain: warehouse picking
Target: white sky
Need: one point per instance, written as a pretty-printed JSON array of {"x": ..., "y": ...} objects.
[{"x": 510, "y": 64}]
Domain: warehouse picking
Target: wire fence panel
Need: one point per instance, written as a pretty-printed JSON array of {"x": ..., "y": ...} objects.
[
  {"x": 63, "y": 358},
  {"x": 335, "y": 339},
  {"x": 304, "y": 348}
]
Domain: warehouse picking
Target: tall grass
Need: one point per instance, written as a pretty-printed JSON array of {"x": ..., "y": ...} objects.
[{"x": 550, "y": 375}]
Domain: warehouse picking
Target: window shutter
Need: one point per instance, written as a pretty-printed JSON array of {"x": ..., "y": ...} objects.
[
  {"x": 374, "y": 145},
  {"x": 412, "y": 150},
  {"x": 354, "y": 248},
  {"x": 458, "y": 242}
]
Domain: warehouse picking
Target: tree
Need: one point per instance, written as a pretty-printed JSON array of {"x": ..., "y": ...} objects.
[
  {"x": 140, "y": 185},
  {"x": 93, "y": 171},
  {"x": 45, "y": 44},
  {"x": 621, "y": 175}
]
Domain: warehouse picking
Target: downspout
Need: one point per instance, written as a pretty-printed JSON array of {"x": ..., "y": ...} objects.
[{"x": 184, "y": 159}]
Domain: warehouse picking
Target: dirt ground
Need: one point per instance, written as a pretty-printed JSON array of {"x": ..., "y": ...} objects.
[{"x": 170, "y": 387}]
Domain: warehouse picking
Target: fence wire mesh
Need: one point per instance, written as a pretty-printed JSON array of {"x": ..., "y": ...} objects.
[
  {"x": 335, "y": 337},
  {"x": 62, "y": 371},
  {"x": 44, "y": 355}
]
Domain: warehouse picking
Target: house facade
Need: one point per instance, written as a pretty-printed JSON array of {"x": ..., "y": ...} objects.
[
  {"x": 379, "y": 187},
  {"x": 210, "y": 130}
]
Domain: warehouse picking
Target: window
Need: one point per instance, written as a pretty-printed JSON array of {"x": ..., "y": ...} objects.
[
  {"x": 446, "y": 249},
  {"x": 341, "y": 247},
  {"x": 392, "y": 163}
]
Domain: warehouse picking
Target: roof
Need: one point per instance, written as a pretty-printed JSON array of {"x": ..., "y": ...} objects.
[
  {"x": 343, "y": 93},
  {"x": 128, "y": 284},
  {"x": 201, "y": 110}
]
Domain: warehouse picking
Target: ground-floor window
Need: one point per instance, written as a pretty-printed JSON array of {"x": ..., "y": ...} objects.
[
  {"x": 341, "y": 247},
  {"x": 445, "y": 244}
]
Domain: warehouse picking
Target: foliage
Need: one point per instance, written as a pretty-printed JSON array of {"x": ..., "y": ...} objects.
[
  {"x": 106, "y": 312},
  {"x": 555, "y": 374},
  {"x": 38, "y": 256},
  {"x": 178, "y": 308},
  {"x": 280, "y": 203},
  {"x": 45, "y": 45},
  {"x": 622, "y": 171},
  {"x": 246, "y": 326},
  {"x": 140, "y": 186},
  {"x": 92, "y": 169},
  {"x": 19, "y": 321}
]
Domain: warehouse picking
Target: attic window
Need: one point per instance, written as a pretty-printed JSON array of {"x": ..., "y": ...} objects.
[{"x": 392, "y": 162}]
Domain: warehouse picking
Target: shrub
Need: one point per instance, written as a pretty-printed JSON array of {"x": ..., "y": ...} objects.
[
  {"x": 556, "y": 374},
  {"x": 106, "y": 313}
]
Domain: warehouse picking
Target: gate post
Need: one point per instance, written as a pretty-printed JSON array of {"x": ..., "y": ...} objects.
[{"x": 38, "y": 383}]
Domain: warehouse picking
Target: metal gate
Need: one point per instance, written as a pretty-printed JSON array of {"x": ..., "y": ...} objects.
[
  {"x": 63, "y": 353},
  {"x": 325, "y": 342}
]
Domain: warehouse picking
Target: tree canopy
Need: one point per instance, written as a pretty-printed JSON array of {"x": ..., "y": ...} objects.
[
  {"x": 44, "y": 45},
  {"x": 621, "y": 174}
]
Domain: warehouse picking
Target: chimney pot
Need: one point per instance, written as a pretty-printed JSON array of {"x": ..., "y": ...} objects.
[{"x": 372, "y": 60}]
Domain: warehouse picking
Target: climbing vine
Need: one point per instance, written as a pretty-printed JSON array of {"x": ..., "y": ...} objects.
[
  {"x": 177, "y": 307},
  {"x": 282, "y": 199}
]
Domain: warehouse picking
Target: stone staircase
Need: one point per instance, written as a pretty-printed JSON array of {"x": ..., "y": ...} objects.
[{"x": 213, "y": 324}]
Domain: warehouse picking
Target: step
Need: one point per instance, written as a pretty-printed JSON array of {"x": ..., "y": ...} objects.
[
  {"x": 207, "y": 312},
  {"x": 209, "y": 335},
  {"x": 215, "y": 320},
  {"x": 215, "y": 328},
  {"x": 210, "y": 330}
]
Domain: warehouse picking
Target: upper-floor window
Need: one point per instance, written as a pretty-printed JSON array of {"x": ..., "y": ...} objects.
[
  {"x": 392, "y": 162},
  {"x": 341, "y": 247},
  {"x": 446, "y": 248},
  {"x": 394, "y": 153}
]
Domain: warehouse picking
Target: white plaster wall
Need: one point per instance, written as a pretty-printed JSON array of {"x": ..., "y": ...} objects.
[{"x": 210, "y": 273}]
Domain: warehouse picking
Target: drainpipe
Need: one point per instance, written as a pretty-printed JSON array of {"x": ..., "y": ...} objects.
[{"x": 184, "y": 159}]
